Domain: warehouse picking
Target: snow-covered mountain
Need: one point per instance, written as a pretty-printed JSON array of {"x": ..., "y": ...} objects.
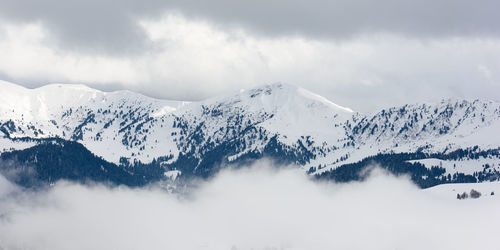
[{"x": 283, "y": 122}]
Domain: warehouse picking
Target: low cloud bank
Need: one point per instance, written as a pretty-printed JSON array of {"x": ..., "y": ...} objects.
[{"x": 257, "y": 208}]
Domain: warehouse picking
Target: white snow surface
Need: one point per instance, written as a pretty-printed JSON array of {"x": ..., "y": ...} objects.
[{"x": 450, "y": 191}]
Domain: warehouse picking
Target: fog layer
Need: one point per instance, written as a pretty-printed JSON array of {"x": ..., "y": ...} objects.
[{"x": 255, "y": 208}]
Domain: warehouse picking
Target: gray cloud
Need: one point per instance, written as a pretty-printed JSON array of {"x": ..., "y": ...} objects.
[
  {"x": 361, "y": 54},
  {"x": 193, "y": 60},
  {"x": 345, "y": 18},
  {"x": 110, "y": 26},
  {"x": 90, "y": 26}
]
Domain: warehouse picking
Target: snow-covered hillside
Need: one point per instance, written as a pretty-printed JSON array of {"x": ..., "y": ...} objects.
[
  {"x": 431, "y": 128},
  {"x": 276, "y": 120},
  {"x": 102, "y": 121},
  {"x": 125, "y": 124}
]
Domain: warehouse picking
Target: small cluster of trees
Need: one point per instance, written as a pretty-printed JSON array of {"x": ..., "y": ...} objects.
[{"x": 473, "y": 194}]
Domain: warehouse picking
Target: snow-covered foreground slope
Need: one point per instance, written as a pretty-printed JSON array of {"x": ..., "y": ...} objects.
[
  {"x": 278, "y": 121},
  {"x": 488, "y": 190}
]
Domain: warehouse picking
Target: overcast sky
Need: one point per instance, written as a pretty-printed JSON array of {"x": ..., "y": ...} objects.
[{"x": 362, "y": 54}]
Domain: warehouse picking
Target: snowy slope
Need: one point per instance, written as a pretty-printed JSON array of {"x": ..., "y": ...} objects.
[
  {"x": 295, "y": 116},
  {"x": 279, "y": 119},
  {"x": 126, "y": 124},
  {"x": 75, "y": 112},
  {"x": 441, "y": 127}
]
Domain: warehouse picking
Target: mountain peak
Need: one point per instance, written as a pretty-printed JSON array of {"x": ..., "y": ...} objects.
[{"x": 281, "y": 93}]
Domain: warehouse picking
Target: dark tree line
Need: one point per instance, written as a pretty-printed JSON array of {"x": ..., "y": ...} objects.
[{"x": 56, "y": 159}]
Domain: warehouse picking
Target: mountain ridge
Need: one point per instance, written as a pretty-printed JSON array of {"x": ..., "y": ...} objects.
[{"x": 280, "y": 120}]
